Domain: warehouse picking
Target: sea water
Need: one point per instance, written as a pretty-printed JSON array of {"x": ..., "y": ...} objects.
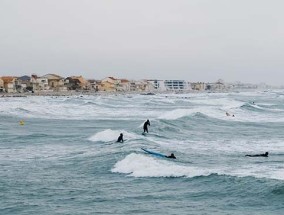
[{"x": 65, "y": 159}]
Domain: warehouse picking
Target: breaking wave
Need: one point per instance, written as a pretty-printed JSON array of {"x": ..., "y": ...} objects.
[{"x": 139, "y": 165}]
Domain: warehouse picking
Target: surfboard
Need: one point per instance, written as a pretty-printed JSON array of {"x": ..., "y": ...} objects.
[{"x": 153, "y": 153}]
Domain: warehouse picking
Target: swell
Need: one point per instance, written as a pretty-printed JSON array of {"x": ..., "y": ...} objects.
[
  {"x": 201, "y": 118},
  {"x": 244, "y": 189},
  {"x": 262, "y": 108},
  {"x": 23, "y": 110},
  {"x": 148, "y": 166}
]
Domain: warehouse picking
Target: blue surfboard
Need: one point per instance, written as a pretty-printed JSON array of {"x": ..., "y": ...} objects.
[{"x": 153, "y": 153}]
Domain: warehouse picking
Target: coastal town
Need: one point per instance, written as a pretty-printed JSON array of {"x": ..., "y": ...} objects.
[{"x": 53, "y": 83}]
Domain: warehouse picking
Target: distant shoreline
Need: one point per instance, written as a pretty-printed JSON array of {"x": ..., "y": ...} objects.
[
  {"x": 87, "y": 93},
  {"x": 100, "y": 93},
  {"x": 78, "y": 93},
  {"x": 67, "y": 93}
]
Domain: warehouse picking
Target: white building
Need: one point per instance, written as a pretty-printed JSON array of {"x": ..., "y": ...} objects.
[
  {"x": 39, "y": 83},
  {"x": 176, "y": 85},
  {"x": 169, "y": 85},
  {"x": 157, "y": 85}
]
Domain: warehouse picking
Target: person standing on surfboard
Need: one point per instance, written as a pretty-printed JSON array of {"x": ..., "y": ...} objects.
[{"x": 145, "y": 127}]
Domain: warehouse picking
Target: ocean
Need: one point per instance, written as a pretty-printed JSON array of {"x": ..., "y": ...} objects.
[{"x": 65, "y": 158}]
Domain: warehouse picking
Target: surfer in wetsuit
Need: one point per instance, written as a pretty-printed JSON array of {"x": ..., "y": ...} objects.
[
  {"x": 171, "y": 156},
  {"x": 259, "y": 155},
  {"x": 145, "y": 127},
  {"x": 120, "y": 138}
]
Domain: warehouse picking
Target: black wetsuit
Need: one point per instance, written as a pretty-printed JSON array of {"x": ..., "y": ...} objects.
[
  {"x": 260, "y": 155},
  {"x": 145, "y": 127},
  {"x": 171, "y": 156},
  {"x": 120, "y": 138}
]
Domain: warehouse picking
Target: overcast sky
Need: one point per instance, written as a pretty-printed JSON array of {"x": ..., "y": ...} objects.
[{"x": 195, "y": 40}]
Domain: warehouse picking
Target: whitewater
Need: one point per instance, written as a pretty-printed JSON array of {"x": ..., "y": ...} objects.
[{"x": 65, "y": 158}]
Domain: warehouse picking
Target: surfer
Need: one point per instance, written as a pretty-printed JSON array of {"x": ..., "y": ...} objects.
[
  {"x": 258, "y": 155},
  {"x": 120, "y": 138},
  {"x": 227, "y": 114},
  {"x": 145, "y": 127},
  {"x": 171, "y": 156}
]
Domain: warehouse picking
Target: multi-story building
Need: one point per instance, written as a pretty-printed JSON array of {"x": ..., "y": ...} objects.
[
  {"x": 124, "y": 85},
  {"x": 95, "y": 84},
  {"x": 158, "y": 85},
  {"x": 39, "y": 83},
  {"x": 200, "y": 86},
  {"x": 2, "y": 89},
  {"x": 77, "y": 83},
  {"x": 55, "y": 82},
  {"x": 110, "y": 84},
  {"x": 176, "y": 85},
  {"x": 169, "y": 85},
  {"x": 9, "y": 84},
  {"x": 23, "y": 83}
]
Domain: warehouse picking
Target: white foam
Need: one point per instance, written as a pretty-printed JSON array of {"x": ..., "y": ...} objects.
[
  {"x": 139, "y": 165},
  {"x": 212, "y": 112},
  {"x": 222, "y": 102},
  {"x": 71, "y": 108},
  {"x": 257, "y": 171},
  {"x": 110, "y": 107},
  {"x": 176, "y": 114},
  {"x": 111, "y": 135},
  {"x": 228, "y": 147}
]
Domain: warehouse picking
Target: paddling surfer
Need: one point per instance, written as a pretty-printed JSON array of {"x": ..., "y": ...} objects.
[
  {"x": 171, "y": 156},
  {"x": 258, "y": 155}
]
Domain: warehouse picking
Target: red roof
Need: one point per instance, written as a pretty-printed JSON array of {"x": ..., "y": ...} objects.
[{"x": 8, "y": 79}]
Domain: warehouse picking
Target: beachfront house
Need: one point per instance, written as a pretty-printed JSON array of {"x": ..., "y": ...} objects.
[
  {"x": 38, "y": 83},
  {"x": 77, "y": 83},
  {"x": 23, "y": 83},
  {"x": 55, "y": 82},
  {"x": 132, "y": 85},
  {"x": 9, "y": 84},
  {"x": 95, "y": 84},
  {"x": 176, "y": 85},
  {"x": 2, "y": 89},
  {"x": 143, "y": 85},
  {"x": 110, "y": 84},
  {"x": 200, "y": 86},
  {"x": 123, "y": 85},
  {"x": 158, "y": 85},
  {"x": 139, "y": 86},
  {"x": 217, "y": 86}
]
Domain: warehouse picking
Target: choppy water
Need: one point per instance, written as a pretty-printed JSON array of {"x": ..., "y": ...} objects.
[{"x": 64, "y": 160}]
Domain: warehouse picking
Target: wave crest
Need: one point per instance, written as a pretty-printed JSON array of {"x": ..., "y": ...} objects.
[
  {"x": 139, "y": 165},
  {"x": 111, "y": 135}
]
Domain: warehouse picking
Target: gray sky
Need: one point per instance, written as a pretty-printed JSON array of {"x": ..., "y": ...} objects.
[{"x": 195, "y": 40}]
